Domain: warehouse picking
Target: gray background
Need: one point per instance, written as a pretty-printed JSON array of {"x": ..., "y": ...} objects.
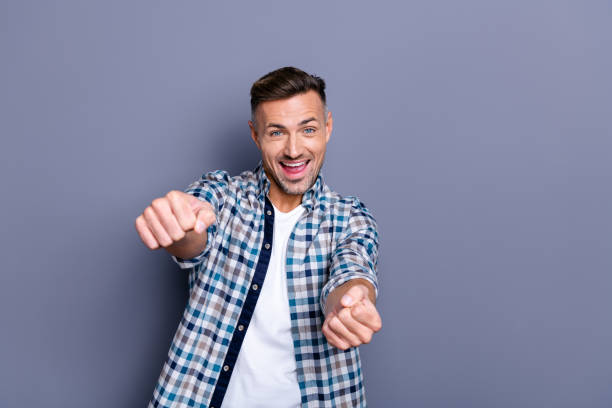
[{"x": 478, "y": 132}]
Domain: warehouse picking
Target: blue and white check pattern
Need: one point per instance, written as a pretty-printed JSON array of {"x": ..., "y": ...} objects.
[{"x": 334, "y": 241}]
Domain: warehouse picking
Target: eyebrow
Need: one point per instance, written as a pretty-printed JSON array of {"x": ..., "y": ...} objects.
[{"x": 278, "y": 125}]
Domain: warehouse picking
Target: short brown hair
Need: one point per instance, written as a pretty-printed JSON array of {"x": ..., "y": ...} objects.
[{"x": 284, "y": 83}]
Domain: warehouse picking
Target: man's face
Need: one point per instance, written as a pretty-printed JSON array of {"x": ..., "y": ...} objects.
[{"x": 292, "y": 135}]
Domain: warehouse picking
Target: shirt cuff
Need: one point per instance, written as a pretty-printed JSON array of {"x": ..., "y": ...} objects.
[{"x": 192, "y": 262}]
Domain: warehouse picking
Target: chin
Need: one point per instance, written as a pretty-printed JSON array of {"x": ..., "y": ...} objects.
[{"x": 293, "y": 190}]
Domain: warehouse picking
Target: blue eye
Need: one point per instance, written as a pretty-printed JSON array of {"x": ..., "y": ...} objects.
[
  {"x": 309, "y": 130},
  {"x": 275, "y": 133}
]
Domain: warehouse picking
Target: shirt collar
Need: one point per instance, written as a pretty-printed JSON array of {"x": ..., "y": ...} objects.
[{"x": 310, "y": 197}]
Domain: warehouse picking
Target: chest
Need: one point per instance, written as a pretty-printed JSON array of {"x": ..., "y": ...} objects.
[{"x": 309, "y": 247}]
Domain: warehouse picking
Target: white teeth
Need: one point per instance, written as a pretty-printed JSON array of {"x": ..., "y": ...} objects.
[{"x": 294, "y": 164}]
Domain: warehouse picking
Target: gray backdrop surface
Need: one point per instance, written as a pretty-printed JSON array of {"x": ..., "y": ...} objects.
[{"x": 479, "y": 134}]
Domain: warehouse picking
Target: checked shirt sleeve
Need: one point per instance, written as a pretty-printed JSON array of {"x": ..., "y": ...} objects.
[
  {"x": 356, "y": 252},
  {"x": 211, "y": 187}
]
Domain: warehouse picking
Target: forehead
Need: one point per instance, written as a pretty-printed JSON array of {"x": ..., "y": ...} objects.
[{"x": 292, "y": 109}]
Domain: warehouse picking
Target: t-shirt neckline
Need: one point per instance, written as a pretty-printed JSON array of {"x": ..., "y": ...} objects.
[{"x": 289, "y": 214}]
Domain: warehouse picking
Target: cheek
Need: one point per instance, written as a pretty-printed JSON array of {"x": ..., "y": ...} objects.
[
  {"x": 269, "y": 150},
  {"x": 316, "y": 146},
  {"x": 318, "y": 149}
]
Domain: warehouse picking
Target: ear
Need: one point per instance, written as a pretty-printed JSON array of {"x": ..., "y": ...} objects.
[
  {"x": 329, "y": 125},
  {"x": 254, "y": 134}
]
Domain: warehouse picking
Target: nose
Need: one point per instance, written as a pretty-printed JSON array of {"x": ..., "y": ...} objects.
[{"x": 293, "y": 146}]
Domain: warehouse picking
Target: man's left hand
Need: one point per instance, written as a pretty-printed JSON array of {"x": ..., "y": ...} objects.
[{"x": 352, "y": 317}]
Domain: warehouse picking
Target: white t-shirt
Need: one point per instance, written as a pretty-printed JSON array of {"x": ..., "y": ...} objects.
[{"x": 265, "y": 374}]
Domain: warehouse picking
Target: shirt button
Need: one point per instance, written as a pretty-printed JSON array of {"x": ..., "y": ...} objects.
[
  {"x": 255, "y": 286},
  {"x": 225, "y": 368},
  {"x": 267, "y": 246},
  {"x": 240, "y": 327},
  {"x": 269, "y": 212}
]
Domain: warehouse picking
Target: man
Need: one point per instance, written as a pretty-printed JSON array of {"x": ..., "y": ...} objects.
[{"x": 282, "y": 269}]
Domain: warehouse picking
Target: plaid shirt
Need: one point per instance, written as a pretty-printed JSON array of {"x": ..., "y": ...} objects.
[{"x": 335, "y": 240}]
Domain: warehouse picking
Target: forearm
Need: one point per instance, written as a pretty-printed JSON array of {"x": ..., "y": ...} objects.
[{"x": 190, "y": 246}]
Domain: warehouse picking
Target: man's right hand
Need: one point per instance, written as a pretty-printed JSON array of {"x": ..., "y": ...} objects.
[{"x": 177, "y": 222}]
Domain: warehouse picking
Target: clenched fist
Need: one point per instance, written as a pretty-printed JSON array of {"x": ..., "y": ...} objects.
[
  {"x": 177, "y": 222},
  {"x": 352, "y": 318}
]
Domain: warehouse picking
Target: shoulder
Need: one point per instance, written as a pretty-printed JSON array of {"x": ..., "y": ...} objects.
[
  {"x": 211, "y": 185},
  {"x": 247, "y": 180},
  {"x": 220, "y": 187},
  {"x": 222, "y": 178},
  {"x": 349, "y": 205}
]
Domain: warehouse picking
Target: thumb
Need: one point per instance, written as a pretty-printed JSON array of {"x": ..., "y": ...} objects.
[
  {"x": 354, "y": 295},
  {"x": 205, "y": 216}
]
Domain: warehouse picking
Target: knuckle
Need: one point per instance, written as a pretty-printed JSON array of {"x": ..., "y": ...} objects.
[
  {"x": 345, "y": 313},
  {"x": 149, "y": 212},
  {"x": 158, "y": 203},
  {"x": 172, "y": 194},
  {"x": 357, "y": 312},
  {"x": 378, "y": 325}
]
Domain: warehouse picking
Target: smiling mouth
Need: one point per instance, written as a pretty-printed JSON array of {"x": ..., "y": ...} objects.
[{"x": 294, "y": 168}]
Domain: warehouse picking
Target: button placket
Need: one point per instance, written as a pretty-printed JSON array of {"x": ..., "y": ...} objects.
[{"x": 247, "y": 309}]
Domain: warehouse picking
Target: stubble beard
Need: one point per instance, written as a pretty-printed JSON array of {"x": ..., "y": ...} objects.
[{"x": 288, "y": 188}]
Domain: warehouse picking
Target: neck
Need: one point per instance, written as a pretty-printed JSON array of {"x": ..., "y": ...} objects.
[{"x": 282, "y": 201}]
